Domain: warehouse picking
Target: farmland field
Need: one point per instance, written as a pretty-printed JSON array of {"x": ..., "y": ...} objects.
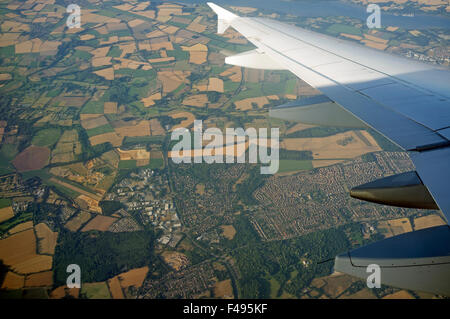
[
  {"x": 41, "y": 279},
  {"x": 6, "y": 213},
  {"x": 32, "y": 158},
  {"x": 133, "y": 277},
  {"x": 46, "y": 239},
  {"x": 115, "y": 288},
  {"x": 294, "y": 165},
  {"x": 46, "y": 137},
  {"x": 75, "y": 223},
  {"x": 100, "y": 223},
  {"x": 19, "y": 252},
  {"x": 97, "y": 290}
]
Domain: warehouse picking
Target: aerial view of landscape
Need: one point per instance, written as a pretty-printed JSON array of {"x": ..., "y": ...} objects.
[{"x": 87, "y": 171}]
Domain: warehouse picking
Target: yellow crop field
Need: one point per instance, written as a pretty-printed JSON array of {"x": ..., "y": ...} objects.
[
  {"x": 108, "y": 73},
  {"x": 111, "y": 137},
  {"x": 351, "y": 36},
  {"x": 234, "y": 74},
  {"x": 375, "y": 39},
  {"x": 198, "y": 53},
  {"x": 63, "y": 291},
  {"x": 41, "y": 279},
  {"x": 200, "y": 189},
  {"x": 100, "y": 223},
  {"x": 343, "y": 145},
  {"x": 13, "y": 281},
  {"x": 140, "y": 129},
  {"x": 298, "y": 127},
  {"x": 247, "y": 104},
  {"x": 115, "y": 289},
  {"x": 137, "y": 154},
  {"x": 150, "y": 100},
  {"x": 101, "y": 61},
  {"x": 133, "y": 277},
  {"x": 228, "y": 231},
  {"x": 402, "y": 294},
  {"x": 395, "y": 227},
  {"x": 36, "y": 263},
  {"x": 214, "y": 84},
  {"x": 100, "y": 52},
  {"x": 185, "y": 123},
  {"x": 21, "y": 227},
  {"x": 5, "y": 76},
  {"x": 6, "y": 213},
  {"x": 223, "y": 289},
  {"x": 75, "y": 223},
  {"x": 18, "y": 247},
  {"x": 199, "y": 100},
  {"x": 46, "y": 238},
  {"x": 428, "y": 221}
]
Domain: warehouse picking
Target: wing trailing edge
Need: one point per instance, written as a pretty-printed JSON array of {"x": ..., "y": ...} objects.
[{"x": 254, "y": 59}]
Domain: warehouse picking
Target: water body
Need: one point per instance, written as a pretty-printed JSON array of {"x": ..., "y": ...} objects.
[{"x": 337, "y": 8}]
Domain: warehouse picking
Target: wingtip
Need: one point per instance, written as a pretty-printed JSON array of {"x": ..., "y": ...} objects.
[
  {"x": 221, "y": 12},
  {"x": 224, "y": 16},
  {"x": 213, "y": 6}
]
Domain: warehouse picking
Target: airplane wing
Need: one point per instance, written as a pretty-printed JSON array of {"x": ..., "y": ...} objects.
[{"x": 406, "y": 101}]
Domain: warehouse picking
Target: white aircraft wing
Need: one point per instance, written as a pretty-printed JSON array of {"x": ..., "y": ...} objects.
[{"x": 405, "y": 100}]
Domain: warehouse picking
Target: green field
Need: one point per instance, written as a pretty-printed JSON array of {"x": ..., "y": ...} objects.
[
  {"x": 7, "y": 51},
  {"x": 93, "y": 107},
  {"x": 5, "y": 202},
  {"x": 128, "y": 164},
  {"x": 45, "y": 177},
  {"x": 343, "y": 28},
  {"x": 156, "y": 163},
  {"x": 100, "y": 130},
  {"x": 7, "y": 153},
  {"x": 115, "y": 52},
  {"x": 252, "y": 90},
  {"x": 294, "y": 165},
  {"x": 230, "y": 86},
  {"x": 274, "y": 287},
  {"x": 98, "y": 290},
  {"x": 178, "y": 54},
  {"x": 46, "y": 137},
  {"x": 16, "y": 220},
  {"x": 82, "y": 55},
  {"x": 148, "y": 74}
]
